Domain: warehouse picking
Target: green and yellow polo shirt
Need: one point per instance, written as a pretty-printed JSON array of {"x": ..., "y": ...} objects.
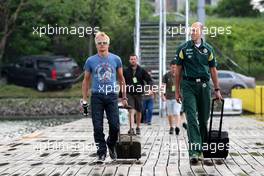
[{"x": 196, "y": 61}]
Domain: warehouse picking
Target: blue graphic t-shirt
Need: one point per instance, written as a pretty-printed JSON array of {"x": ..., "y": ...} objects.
[{"x": 103, "y": 70}]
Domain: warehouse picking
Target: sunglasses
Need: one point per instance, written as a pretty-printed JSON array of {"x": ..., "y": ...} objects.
[{"x": 102, "y": 43}]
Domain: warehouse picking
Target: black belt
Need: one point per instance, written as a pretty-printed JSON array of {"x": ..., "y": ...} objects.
[{"x": 198, "y": 80}]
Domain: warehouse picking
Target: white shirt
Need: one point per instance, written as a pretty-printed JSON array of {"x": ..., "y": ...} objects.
[{"x": 198, "y": 45}]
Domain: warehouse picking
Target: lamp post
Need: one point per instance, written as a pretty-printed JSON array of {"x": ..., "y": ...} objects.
[
  {"x": 160, "y": 55},
  {"x": 186, "y": 20},
  {"x": 201, "y": 12},
  {"x": 137, "y": 26}
]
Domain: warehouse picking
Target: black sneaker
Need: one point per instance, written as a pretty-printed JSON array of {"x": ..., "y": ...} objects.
[
  {"x": 131, "y": 131},
  {"x": 112, "y": 152},
  {"x": 138, "y": 131},
  {"x": 194, "y": 161},
  {"x": 184, "y": 125},
  {"x": 100, "y": 159},
  {"x": 171, "y": 130},
  {"x": 208, "y": 162},
  {"x": 177, "y": 130}
]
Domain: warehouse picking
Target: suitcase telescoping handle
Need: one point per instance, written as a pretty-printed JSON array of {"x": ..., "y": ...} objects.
[
  {"x": 221, "y": 117},
  {"x": 130, "y": 126}
]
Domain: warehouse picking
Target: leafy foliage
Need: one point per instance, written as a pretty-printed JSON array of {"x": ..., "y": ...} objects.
[
  {"x": 245, "y": 45},
  {"x": 236, "y": 8},
  {"x": 114, "y": 17}
]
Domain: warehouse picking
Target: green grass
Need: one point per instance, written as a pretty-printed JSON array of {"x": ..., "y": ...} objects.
[
  {"x": 260, "y": 83},
  {"x": 13, "y": 91}
]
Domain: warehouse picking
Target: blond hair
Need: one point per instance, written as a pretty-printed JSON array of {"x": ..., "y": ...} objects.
[{"x": 101, "y": 34}]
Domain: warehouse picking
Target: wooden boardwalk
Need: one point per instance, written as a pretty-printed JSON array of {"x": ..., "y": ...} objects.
[{"x": 68, "y": 150}]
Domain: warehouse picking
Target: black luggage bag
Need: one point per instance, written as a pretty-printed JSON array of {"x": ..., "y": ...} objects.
[
  {"x": 128, "y": 146},
  {"x": 218, "y": 140}
]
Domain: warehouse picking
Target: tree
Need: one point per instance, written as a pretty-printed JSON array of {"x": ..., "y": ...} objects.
[
  {"x": 237, "y": 8},
  {"x": 8, "y": 16},
  {"x": 19, "y": 40},
  {"x": 115, "y": 17}
]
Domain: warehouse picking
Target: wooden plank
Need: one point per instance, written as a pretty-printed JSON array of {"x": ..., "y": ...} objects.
[
  {"x": 59, "y": 171},
  {"x": 97, "y": 170},
  {"x": 246, "y": 167},
  {"x": 220, "y": 166},
  {"x": 253, "y": 150},
  {"x": 84, "y": 171},
  {"x": 134, "y": 170},
  {"x": 67, "y": 160},
  {"x": 209, "y": 167},
  {"x": 234, "y": 168},
  {"x": 52, "y": 157},
  {"x": 149, "y": 151},
  {"x": 197, "y": 169},
  {"x": 146, "y": 144},
  {"x": 12, "y": 170},
  {"x": 72, "y": 171},
  {"x": 21, "y": 171},
  {"x": 163, "y": 159},
  {"x": 164, "y": 152},
  {"x": 110, "y": 171},
  {"x": 173, "y": 151},
  {"x": 160, "y": 171},
  {"x": 34, "y": 171},
  {"x": 173, "y": 159},
  {"x": 5, "y": 165},
  {"x": 248, "y": 158},
  {"x": 21, "y": 156},
  {"x": 122, "y": 171},
  {"x": 153, "y": 157},
  {"x": 183, "y": 160},
  {"x": 46, "y": 171},
  {"x": 173, "y": 170},
  {"x": 147, "y": 170}
]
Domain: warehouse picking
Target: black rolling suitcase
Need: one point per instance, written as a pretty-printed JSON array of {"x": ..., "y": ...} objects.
[
  {"x": 128, "y": 146},
  {"x": 218, "y": 140}
]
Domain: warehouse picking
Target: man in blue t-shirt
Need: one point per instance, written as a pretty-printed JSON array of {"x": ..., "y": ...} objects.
[{"x": 102, "y": 69}]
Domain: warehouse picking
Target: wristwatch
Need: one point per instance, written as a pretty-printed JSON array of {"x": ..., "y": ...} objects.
[
  {"x": 217, "y": 89},
  {"x": 124, "y": 98}
]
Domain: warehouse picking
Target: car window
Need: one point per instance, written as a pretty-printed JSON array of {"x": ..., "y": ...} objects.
[
  {"x": 224, "y": 75},
  {"x": 44, "y": 64},
  {"x": 18, "y": 63},
  {"x": 28, "y": 64},
  {"x": 65, "y": 65},
  {"x": 241, "y": 76}
]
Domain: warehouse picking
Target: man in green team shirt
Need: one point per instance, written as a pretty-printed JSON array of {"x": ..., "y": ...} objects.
[{"x": 195, "y": 64}]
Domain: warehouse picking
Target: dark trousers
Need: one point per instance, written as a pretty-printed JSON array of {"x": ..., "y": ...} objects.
[
  {"x": 196, "y": 102},
  {"x": 148, "y": 109},
  {"x": 109, "y": 104}
]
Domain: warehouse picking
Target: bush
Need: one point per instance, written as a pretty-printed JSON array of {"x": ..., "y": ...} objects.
[
  {"x": 245, "y": 45},
  {"x": 236, "y": 8}
]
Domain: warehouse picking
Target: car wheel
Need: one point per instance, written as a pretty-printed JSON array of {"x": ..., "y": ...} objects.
[
  {"x": 238, "y": 87},
  {"x": 41, "y": 85}
]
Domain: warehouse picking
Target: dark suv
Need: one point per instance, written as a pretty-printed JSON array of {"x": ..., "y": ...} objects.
[{"x": 42, "y": 72}]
